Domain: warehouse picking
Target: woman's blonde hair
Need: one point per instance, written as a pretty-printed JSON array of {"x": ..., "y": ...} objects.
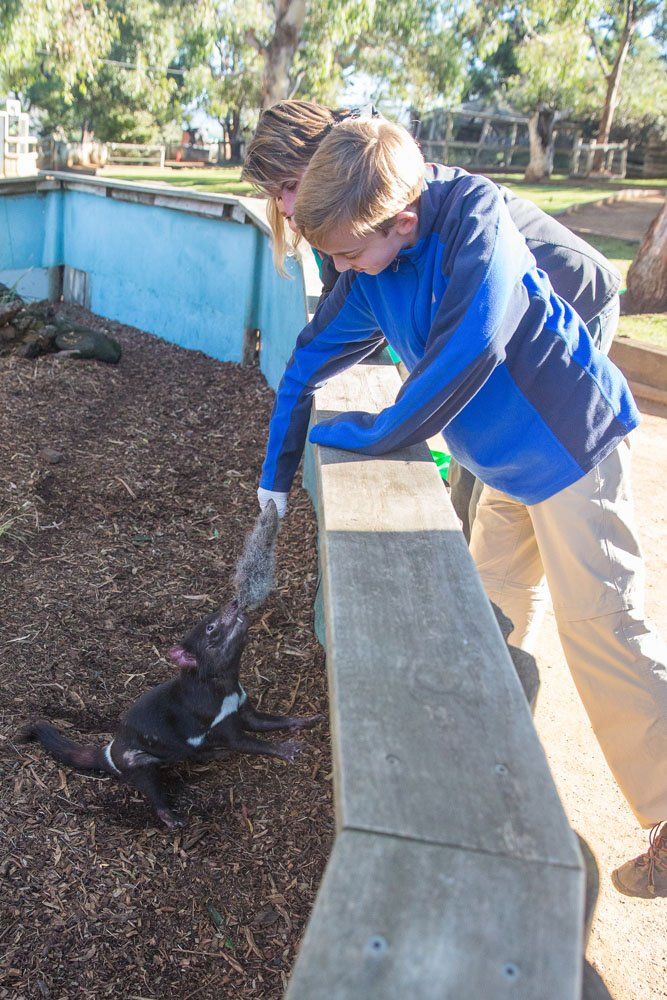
[
  {"x": 286, "y": 139},
  {"x": 363, "y": 173}
]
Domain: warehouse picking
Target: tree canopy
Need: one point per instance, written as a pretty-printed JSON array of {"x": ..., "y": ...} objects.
[
  {"x": 127, "y": 69},
  {"x": 98, "y": 67}
]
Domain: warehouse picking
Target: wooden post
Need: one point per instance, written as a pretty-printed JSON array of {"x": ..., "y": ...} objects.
[
  {"x": 507, "y": 163},
  {"x": 448, "y": 135},
  {"x": 589, "y": 158},
  {"x": 482, "y": 139}
]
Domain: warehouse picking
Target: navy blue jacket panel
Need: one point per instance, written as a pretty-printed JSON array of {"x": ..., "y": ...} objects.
[{"x": 578, "y": 272}]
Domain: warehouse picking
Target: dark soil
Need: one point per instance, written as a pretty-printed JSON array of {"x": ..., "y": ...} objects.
[{"x": 125, "y": 496}]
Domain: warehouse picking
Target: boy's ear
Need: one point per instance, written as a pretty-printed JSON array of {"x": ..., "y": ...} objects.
[{"x": 406, "y": 222}]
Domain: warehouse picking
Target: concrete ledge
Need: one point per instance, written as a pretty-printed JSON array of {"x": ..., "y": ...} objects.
[
  {"x": 648, "y": 392},
  {"x": 221, "y": 206},
  {"x": 645, "y": 367}
]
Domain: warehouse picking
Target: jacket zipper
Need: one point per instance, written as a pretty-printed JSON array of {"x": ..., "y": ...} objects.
[{"x": 396, "y": 263}]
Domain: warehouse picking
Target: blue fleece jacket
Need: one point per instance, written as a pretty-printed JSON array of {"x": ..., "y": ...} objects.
[{"x": 498, "y": 362}]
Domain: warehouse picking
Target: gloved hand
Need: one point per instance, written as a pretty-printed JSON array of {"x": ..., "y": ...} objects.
[{"x": 280, "y": 500}]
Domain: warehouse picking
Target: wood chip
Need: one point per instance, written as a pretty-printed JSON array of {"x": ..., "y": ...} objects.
[{"x": 100, "y": 901}]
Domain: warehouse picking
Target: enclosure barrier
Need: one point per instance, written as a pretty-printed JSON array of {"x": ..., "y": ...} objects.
[
  {"x": 135, "y": 154},
  {"x": 18, "y": 149},
  {"x": 485, "y": 140},
  {"x": 193, "y": 268},
  {"x": 610, "y": 158},
  {"x": 494, "y": 140},
  {"x": 454, "y": 872}
]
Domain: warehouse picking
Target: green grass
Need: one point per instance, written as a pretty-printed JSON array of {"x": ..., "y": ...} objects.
[
  {"x": 213, "y": 180},
  {"x": 562, "y": 192},
  {"x": 553, "y": 196},
  {"x": 651, "y": 328}
]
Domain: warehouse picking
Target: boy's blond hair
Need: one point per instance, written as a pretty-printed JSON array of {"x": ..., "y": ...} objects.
[{"x": 363, "y": 174}]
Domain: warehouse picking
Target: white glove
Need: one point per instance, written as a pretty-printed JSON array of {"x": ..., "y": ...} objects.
[{"x": 279, "y": 499}]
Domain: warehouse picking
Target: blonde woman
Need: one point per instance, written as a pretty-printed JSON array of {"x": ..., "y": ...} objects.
[{"x": 287, "y": 137}]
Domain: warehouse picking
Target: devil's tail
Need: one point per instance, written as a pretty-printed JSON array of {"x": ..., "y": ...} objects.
[{"x": 66, "y": 751}]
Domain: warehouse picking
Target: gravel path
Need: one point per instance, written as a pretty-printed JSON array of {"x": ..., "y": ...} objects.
[{"x": 627, "y": 220}]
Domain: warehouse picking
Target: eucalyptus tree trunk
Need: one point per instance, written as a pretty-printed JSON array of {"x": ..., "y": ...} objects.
[
  {"x": 231, "y": 125},
  {"x": 279, "y": 53},
  {"x": 647, "y": 277},
  {"x": 541, "y": 137},
  {"x": 614, "y": 77}
]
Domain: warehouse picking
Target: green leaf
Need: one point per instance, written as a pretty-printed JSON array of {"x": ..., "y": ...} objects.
[{"x": 215, "y": 916}]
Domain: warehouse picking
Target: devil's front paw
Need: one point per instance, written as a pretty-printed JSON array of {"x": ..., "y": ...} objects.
[{"x": 288, "y": 749}]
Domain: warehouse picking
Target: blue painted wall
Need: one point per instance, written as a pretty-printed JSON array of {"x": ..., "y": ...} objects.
[
  {"x": 279, "y": 326},
  {"x": 24, "y": 220},
  {"x": 180, "y": 276},
  {"x": 26, "y": 253},
  {"x": 194, "y": 281}
]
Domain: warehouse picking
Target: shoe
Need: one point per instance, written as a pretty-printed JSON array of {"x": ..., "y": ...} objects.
[{"x": 646, "y": 876}]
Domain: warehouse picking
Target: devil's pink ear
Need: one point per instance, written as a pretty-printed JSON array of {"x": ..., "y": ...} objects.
[{"x": 180, "y": 656}]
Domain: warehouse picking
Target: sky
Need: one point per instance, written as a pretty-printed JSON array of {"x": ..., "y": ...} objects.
[{"x": 358, "y": 91}]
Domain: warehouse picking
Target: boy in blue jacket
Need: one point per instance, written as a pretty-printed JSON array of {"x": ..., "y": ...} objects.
[{"x": 508, "y": 371}]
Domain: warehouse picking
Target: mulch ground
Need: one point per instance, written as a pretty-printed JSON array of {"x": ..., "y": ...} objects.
[{"x": 125, "y": 496}]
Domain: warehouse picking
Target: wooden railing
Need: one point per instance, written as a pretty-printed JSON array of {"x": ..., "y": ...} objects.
[
  {"x": 454, "y": 873},
  {"x": 134, "y": 153},
  {"x": 610, "y": 158}
]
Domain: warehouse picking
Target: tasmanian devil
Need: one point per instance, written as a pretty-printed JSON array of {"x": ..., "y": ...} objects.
[{"x": 201, "y": 714}]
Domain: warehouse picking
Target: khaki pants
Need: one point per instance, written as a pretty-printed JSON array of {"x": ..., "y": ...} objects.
[{"x": 583, "y": 540}]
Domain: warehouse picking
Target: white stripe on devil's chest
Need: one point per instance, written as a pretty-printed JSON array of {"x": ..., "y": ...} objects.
[{"x": 230, "y": 704}]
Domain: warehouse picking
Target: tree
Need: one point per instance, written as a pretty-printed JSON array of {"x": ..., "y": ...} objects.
[
  {"x": 612, "y": 35},
  {"x": 557, "y": 77},
  {"x": 241, "y": 55},
  {"x": 570, "y": 55},
  {"x": 647, "y": 277},
  {"x": 33, "y": 33},
  {"x": 280, "y": 50},
  {"x": 223, "y": 68},
  {"x": 305, "y": 47},
  {"x": 416, "y": 52},
  {"x": 97, "y": 68},
  {"x": 410, "y": 49},
  {"x": 642, "y": 105}
]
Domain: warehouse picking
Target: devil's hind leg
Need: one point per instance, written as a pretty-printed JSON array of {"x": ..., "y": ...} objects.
[{"x": 147, "y": 781}]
